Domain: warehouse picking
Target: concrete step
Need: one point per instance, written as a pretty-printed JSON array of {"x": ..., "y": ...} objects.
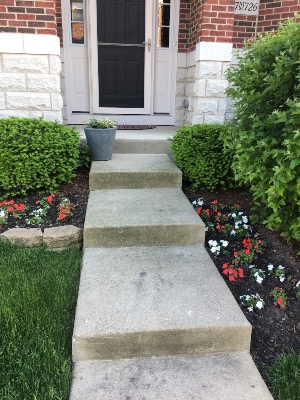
[
  {"x": 155, "y": 301},
  {"x": 132, "y": 171},
  {"x": 206, "y": 377},
  {"x": 149, "y": 141},
  {"x": 141, "y": 217}
]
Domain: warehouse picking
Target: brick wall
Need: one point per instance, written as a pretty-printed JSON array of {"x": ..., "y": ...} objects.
[
  {"x": 28, "y": 16},
  {"x": 215, "y": 21}
]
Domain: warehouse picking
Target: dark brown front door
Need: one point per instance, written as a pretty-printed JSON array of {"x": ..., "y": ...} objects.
[{"x": 121, "y": 52}]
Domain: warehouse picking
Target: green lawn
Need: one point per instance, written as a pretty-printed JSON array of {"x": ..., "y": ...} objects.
[
  {"x": 284, "y": 377},
  {"x": 38, "y": 294}
]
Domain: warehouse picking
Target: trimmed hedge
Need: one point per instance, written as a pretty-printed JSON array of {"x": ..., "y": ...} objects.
[
  {"x": 199, "y": 152},
  {"x": 36, "y": 155}
]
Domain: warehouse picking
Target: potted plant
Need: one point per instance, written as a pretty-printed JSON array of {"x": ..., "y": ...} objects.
[{"x": 100, "y": 135}]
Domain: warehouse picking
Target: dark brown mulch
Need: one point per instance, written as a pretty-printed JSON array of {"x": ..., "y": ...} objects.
[{"x": 274, "y": 330}]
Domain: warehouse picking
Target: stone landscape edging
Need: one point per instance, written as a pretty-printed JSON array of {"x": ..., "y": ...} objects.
[{"x": 55, "y": 238}]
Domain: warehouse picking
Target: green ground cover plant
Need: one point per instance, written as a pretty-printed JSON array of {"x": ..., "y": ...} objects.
[
  {"x": 284, "y": 377},
  {"x": 36, "y": 155},
  {"x": 38, "y": 294},
  {"x": 199, "y": 152},
  {"x": 265, "y": 134}
]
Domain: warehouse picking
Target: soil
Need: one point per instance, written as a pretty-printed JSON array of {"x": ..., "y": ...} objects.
[{"x": 275, "y": 330}]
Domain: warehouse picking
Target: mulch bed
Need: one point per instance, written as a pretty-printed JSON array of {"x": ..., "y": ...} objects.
[{"x": 274, "y": 329}]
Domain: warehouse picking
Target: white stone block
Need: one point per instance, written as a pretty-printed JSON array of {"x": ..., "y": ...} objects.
[
  {"x": 189, "y": 89},
  {"x": 14, "y": 113},
  {"x": 11, "y": 42},
  {"x": 43, "y": 83},
  {"x": 181, "y": 74},
  {"x": 191, "y": 58},
  {"x": 225, "y": 67},
  {"x": 179, "y": 102},
  {"x": 222, "y": 106},
  {"x": 2, "y": 101},
  {"x": 206, "y": 106},
  {"x": 25, "y": 63},
  {"x": 200, "y": 87},
  {"x": 213, "y": 51},
  {"x": 13, "y": 82},
  {"x": 180, "y": 117},
  {"x": 0, "y": 62},
  {"x": 191, "y": 73},
  {"x": 197, "y": 119},
  {"x": 189, "y": 118},
  {"x": 209, "y": 69},
  {"x": 56, "y": 102},
  {"x": 55, "y": 65},
  {"x": 216, "y": 87},
  {"x": 191, "y": 106},
  {"x": 180, "y": 88},
  {"x": 214, "y": 119},
  {"x": 48, "y": 115},
  {"x": 228, "y": 116},
  {"x": 28, "y": 101},
  {"x": 41, "y": 44},
  {"x": 181, "y": 60}
]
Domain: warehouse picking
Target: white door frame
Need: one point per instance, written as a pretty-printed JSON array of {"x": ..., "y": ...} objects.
[
  {"x": 131, "y": 117},
  {"x": 93, "y": 61}
]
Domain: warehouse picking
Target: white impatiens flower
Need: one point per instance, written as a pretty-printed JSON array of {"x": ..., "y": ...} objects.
[
  {"x": 298, "y": 284},
  {"x": 282, "y": 278},
  {"x": 258, "y": 278},
  {"x": 280, "y": 267},
  {"x": 250, "y": 308},
  {"x": 251, "y": 266},
  {"x": 194, "y": 202},
  {"x": 215, "y": 250},
  {"x": 232, "y": 232},
  {"x": 224, "y": 243},
  {"x": 213, "y": 243},
  {"x": 245, "y": 226},
  {"x": 270, "y": 267},
  {"x": 245, "y": 219},
  {"x": 259, "y": 304},
  {"x": 240, "y": 213},
  {"x": 233, "y": 215}
]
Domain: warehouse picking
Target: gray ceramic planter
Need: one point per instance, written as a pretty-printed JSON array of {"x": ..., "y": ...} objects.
[{"x": 101, "y": 142}]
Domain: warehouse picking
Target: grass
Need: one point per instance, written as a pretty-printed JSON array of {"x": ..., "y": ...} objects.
[
  {"x": 38, "y": 294},
  {"x": 284, "y": 377}
]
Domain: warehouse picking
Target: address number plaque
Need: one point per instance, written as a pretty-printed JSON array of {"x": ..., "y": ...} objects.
[{"x": 246, "y": 7}]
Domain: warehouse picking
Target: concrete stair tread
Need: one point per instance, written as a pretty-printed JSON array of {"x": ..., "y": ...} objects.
[
  {"x": 135, "y": 171},
  {"x": 141, "y": 217},
  {"x": 157, "y": 301},
  {"x": 199, "y": 377}
]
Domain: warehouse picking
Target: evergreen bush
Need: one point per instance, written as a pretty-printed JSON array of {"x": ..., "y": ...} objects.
[
  {"x": 36, "y": 155},
  {"x": 199, "y": 152},
  {"x": 266, "y": 125}
]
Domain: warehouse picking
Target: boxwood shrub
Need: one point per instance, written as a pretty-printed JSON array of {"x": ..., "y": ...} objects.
[
  {"x": 199, "y": 152},
  {"x": 36, "y": 155}
]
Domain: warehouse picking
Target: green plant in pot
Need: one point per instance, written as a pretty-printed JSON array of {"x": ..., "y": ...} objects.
[{"x": 100, "y": 135}]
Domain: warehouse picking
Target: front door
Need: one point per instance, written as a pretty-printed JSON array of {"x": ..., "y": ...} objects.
[{"x": 122, "y": 62}]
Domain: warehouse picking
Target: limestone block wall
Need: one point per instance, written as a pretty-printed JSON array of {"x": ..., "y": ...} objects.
[
  {"x": 201, "y": 84},
  {"x": 30, "y": 71}
]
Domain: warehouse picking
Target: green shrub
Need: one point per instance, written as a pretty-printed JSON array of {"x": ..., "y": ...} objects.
[
  {"x": 84, "y": 158},
  {"x": 199, "y": 153},
  {"x": 265, "y": 134},
  {"x": 36, "y": 155}
]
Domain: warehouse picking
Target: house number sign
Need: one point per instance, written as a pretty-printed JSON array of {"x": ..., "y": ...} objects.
[{"x": 246, "y": 7}]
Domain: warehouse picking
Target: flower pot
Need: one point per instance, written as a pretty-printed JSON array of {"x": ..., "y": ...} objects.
[{"x": 101, "y": 142}]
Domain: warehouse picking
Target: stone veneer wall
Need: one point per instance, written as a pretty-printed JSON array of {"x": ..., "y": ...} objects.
[
  {"x": 202, "y": 84},
  {"x": 30, "y": 71}
]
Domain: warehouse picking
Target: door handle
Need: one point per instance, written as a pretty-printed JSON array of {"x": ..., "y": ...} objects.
[{"x": 148, "y": 43}]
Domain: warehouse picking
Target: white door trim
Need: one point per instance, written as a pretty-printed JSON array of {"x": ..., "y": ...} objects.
[{"x": 93, "y": 62}]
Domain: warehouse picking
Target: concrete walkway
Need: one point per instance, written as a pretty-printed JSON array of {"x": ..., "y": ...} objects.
[{"x": 154, "y": 318}]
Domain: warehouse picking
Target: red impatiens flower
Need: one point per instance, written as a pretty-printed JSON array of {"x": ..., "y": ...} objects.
[
  {"x": 279, "y": 301},
  {"x": 215, "y": 202},
  {"x": 198, "y": 211},
  {"x": 61, "y": 216},
  {"x": 10, "y": 209}
]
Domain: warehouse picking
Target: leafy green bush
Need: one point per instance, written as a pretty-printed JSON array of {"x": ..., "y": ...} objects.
[
  {"x": 265, "y": 134},
  {"x": 36, "y": 155},
  {"x": 84, "y": 159},
  {"x": 199, "y": 153}
]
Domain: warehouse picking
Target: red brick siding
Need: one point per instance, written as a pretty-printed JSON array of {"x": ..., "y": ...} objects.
[
  {"x": 28, "y": 16},
  {"x": 215, "y": 21}
]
